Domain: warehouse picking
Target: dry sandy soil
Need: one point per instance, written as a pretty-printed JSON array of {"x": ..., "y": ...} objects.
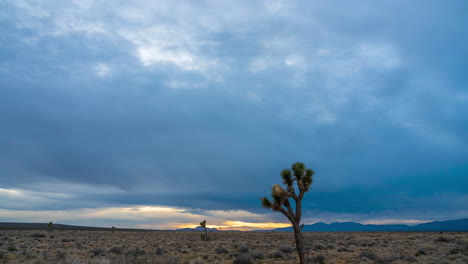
[{"x": 29, "y": 246}]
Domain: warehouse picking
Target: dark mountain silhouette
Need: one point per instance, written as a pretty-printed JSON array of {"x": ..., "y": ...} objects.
[
  {"x": 35, "y": 226},
  {"x": 451, "y": 225},
  {"x": 197, "y": 229}
]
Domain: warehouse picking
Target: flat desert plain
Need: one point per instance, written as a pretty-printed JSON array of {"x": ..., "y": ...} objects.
[{"x": 37, "y": 246}]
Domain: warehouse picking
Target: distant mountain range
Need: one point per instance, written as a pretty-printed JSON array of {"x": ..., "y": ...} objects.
[
  {"x": 34, "y": 226},
  {"x": 200, "y": 229},
  {"x": 38, "y": 226},
  {"x": 451, "y": 225}
]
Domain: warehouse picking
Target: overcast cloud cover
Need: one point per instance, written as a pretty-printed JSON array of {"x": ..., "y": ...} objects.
[{"x": 190, "y": 109}]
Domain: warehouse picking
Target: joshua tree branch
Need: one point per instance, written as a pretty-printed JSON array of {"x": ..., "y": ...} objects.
[
  {"x": 287, "y": 214},
  {"x": 287, "y": 204}
]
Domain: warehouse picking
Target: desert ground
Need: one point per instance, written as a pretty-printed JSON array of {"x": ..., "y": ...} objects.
[{"x": 37, "y": 246}]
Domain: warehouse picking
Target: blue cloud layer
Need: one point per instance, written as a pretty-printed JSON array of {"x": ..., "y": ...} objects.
[{"x": 201, "y": 105}]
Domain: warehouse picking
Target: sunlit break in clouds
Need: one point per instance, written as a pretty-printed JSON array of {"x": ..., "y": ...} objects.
[{"x": 153, "y": 114}]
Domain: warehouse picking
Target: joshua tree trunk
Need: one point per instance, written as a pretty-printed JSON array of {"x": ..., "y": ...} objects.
[
  {"x": 299, "y": 242},
  {"x": 206, "y": 235}
]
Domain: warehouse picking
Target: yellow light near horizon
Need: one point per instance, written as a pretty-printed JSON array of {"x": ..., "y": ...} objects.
[
  {"x": 240, "y": 225},
  {"x": 155, "y": 209},
  {"x": 256, "y": 225},
  {"x": 207, "y": 226}
]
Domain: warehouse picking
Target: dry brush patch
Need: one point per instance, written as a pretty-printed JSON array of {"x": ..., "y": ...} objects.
[{"x": 33, "y": 246}]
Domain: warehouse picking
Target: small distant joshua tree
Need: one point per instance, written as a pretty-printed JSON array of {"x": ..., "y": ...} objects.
[
  {"x": 50, "y": 225},
  {"x": 113, "y": 229},
  {"x": 303, "y": 179},
  {"x": 203, "y": 224}
]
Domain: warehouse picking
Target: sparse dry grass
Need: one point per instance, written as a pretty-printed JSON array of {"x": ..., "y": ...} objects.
[{"x": 38, "y": 247}]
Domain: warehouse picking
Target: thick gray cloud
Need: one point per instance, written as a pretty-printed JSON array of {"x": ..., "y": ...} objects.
[{"x": 200, "y": 105}]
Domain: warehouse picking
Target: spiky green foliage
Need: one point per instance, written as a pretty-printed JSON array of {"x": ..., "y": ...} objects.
[
  {"x": 298, "y": 169},
  {"x": 266, "y": 203},
  {"x": 286, "y": 175},
  {"x": 203, "y": 223},
  {"x": 276, "y": 199},
  {"x": 307, "y": 179},
  {"x": 299, "y": 174}
]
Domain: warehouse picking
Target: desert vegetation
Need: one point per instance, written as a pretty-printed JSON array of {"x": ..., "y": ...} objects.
[
  {"x": 67, "y": 247},
  {"x": 203, "y": 224},
  {"x": 302, "y": 176}
]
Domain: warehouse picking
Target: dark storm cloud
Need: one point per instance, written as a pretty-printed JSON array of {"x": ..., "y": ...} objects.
[{"x": 204, "y": 115}]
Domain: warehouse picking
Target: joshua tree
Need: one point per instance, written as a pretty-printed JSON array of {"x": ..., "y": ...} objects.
[
  {"x": 204, "y": 226},
  {"x": 50, "y": 225},
  {"x": 113, "y": 229},
  {"x": 303, "y": 178}
]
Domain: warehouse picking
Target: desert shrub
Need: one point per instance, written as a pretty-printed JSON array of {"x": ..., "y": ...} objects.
[
  {"x": 61, "y": 256},
  {"x": 196, "y": 261},
  {"x": 367, "y": 255},
  {"x": 256, "y": 254},
  {"x": 159, "y": 251},
  {"x": 385, "y": 260},
  {"x": 442, "y": 239},
  {"x": 377, "y": 260},
  {"x": 276, "y": 254},
  {"x": 135, "y": 252},
  {"x": 2, "y": 254},
  {"x": 320, "y": 259},
  {"x": 454, "y": 251},
  {"x": 11, "y": 248},
  {"x": 243, "y": 259},
  {"x": 330, "y": 246},
  {"x": 38, "y": 235},
  {"x": 65, "y": 240},
  {"x": 97, "y": 252},
  {"x": 116, "y": 250},
  {"x": 221, "y": 250},
  {"x": 243, "y": 249},
  {"x": 168, "y": 260},
  {"x": 420, "y": 252},
  {"x": 410, "y": 259},
  {"x": 344, "y": 249},
  {"x": 319, "y": 247},
  {"x": 78, "y": 245},
  {"x": 285, "y": 248}
]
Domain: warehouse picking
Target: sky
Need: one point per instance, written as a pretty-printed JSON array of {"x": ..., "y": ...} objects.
[{"x": 159, "y": 114}]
